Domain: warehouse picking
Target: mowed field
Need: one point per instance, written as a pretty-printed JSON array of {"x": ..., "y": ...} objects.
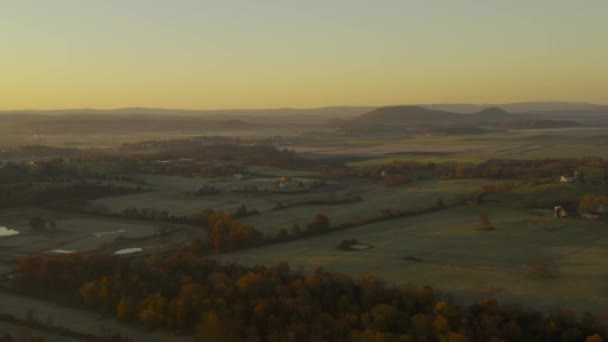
[
  {"x": 79, "y": 233},
  {"x": 457, "y": 257},
  {"x": 175, "y": 194}
]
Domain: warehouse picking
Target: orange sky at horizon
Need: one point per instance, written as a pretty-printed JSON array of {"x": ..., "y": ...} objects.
[{"x": 240, "y": 54}]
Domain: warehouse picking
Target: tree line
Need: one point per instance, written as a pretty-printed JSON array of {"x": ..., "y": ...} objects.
[
  {"x": 184, "y": 293},
  {"x": 495, "y": 169}
]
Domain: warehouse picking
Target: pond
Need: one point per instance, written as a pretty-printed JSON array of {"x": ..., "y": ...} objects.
[
  {"x": 7, "y": 232},
  {"x": 129, "y": 251}
]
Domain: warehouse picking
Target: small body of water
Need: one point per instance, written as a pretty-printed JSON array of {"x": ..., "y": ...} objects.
[
  {"x": 7, "y": 232},
  {"x": 62, "y": 251},
  {"x": 100, "y": 234},
  {"x": 129, "y": 251}
]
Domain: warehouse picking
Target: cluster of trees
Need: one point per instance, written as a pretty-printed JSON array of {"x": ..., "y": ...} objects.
[
  {"x": 498, "y": 169},
  {"x": 478, "y": 195},
  {"x": 15, "y": 172},
  {"x": 330, "y": 200},
  {"x": 587, "y": 203},
  {"x": 592, "y": 203},
  {"x": 320, "y": 223},
  {"x": 62, "y": 196},
  {"x": 192, "y": 168},
  {"x": 517, "y": 169},
  {"x": 55, "y": 169},
  {"x": 55, "y": 278},
  {"x": 58, "y": 168},
  {"x": 226, "y": 156},
  {"x": 243, "y": 211},
  {"x": 346, "y": 245},
  {"x": 149, "y": 214},
  {"x": 227, "y": 234},
  {"x": 375, "y": 171},
  {"x": 91, "y": 167},
  {"x": 258, "y": 153},
  {"x": 222, "y": 233},
  {"x": 181, "y": 143},
  {"x": 229, "y": 302},
  {"x": 40, "y": 223}
]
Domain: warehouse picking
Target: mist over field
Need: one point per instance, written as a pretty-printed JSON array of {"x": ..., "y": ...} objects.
[{"x": 486, "y": 206}]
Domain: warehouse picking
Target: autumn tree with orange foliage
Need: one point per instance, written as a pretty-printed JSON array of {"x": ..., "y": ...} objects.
[{"x": 182, "y": 292}]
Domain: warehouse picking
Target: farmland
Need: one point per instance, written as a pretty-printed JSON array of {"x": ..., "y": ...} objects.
[
  {"x": 274, "y": 171},
  {"x": 458, "y": 258},
  {"x": 475, "y": 148},
  {"x": 375, "y": 198},
  {"x": 469, "y": 215}
]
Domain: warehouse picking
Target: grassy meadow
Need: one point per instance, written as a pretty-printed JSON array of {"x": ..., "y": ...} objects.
[{"x": 458, "y": 257}]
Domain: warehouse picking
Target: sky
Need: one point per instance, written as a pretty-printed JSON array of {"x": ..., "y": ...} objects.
[{"x": 207, "y": 54}]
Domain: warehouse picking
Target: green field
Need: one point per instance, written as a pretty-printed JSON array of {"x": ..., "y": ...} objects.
[
  {"x": 376, "y": 197},
  {"x": 176, "y": 194},
  {"x": 77, "y": 232},
  {"x": 515, "y": 144},
  {"x": 444, "y": 249},
  {"x": 460, "y": 259}
]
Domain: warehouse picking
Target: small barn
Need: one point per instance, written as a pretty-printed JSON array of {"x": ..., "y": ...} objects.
[
  {"x": 565, "y": 209},
  {"x": 566, "y": 179}
]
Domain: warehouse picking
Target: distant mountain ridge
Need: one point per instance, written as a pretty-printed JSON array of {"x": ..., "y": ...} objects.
[
  {"x": 517, "y": 107},
  {"x": 338, "y": 111},
  {"x": 397, "y": 114},
  {"x": 332, "y": 111},
  {"x": 412, "y": 115}
]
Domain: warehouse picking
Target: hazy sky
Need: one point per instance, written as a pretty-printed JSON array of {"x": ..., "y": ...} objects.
[{"x": 305, "y": 53}]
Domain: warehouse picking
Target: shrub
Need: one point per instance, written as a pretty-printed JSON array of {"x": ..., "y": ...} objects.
[
  {"x": 346, "y": 244},
  {"x": 319, "y": 222}
]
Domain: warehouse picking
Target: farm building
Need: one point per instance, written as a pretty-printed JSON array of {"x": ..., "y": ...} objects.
[
  {"x": 565, "y": 209},
  {"x": 577, "y": 177},
  {"x": 565, "y": 179}
]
